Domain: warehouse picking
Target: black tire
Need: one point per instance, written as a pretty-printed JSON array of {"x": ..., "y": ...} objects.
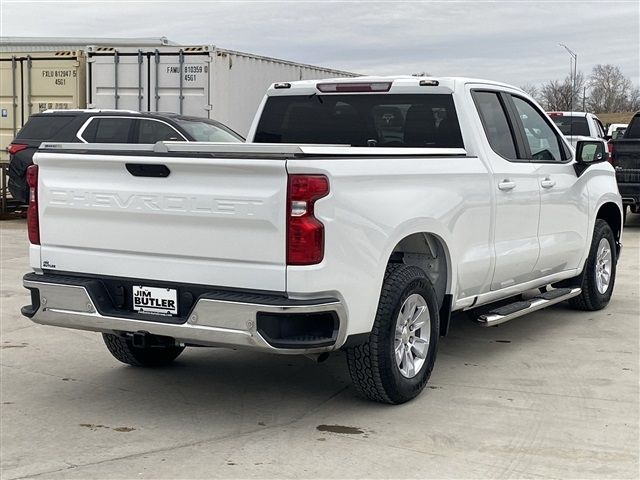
[
  {"x": 156, "y": 356},
  {"x": 591, "y": 299},
  {"x": 624, "y": 214},
  {"x": 372, "y": 365}
]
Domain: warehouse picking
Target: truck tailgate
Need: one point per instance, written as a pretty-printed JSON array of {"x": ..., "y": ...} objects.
[
  {"x": 626, "y": 160},
  {"x": 211, "y": 221}
]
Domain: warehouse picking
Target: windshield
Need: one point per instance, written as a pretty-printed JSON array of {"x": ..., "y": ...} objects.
[
  {"x": 203, "y": 131},
  {"x": 571, "y": 125},
  {"x": 364, "y": 120}
]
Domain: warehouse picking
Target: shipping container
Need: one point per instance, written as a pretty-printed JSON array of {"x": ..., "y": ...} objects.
[
  {"x": 35, "y": 81},
  {"x": 48, "y": 44},
  {"x": 39, "y": 73},
  {"x": 144, "y": 74},
  {"x": 203, "y": 81}
]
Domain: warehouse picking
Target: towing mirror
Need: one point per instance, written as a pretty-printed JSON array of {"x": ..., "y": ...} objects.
[{"x": 591, "y": 151}]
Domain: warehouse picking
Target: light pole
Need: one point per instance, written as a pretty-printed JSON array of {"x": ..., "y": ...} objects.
[{"x": 573, "y": 72}]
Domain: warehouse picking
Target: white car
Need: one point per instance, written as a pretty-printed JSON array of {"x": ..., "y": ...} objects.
[
  {"x": 364, "y": 212},
  {"x": 616, "y": 130}
]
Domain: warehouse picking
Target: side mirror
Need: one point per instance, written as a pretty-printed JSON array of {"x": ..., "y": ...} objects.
[{"x": 591, "y": 151}]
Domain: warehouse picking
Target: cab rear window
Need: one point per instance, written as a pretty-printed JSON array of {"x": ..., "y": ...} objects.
[
  {"x": 45, "y": 127},
  {"x": 374, "y": 120},
  {"x": 570, "y": 125}
]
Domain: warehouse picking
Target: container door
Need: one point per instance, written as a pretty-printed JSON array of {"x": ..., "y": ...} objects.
[
  {"x": 53, "y": 82},
  {"x": 10, "y": 102},
  {"x": 179, "y": 82},
  {"x": 118, "y": 79}
]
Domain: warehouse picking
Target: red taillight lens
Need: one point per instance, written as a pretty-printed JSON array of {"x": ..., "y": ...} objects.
[
  {"x": 33, "y": 222},
  {"x": 14, "y": 148},
  {"x": 610, "y": 148},
  {"x": 305, "y": 233}
]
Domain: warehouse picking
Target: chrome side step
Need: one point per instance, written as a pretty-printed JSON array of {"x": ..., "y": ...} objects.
[{"x": 518, "y": 309}]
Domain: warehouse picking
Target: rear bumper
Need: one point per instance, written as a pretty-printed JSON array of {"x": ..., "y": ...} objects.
[{"x": 228, "y": 319}]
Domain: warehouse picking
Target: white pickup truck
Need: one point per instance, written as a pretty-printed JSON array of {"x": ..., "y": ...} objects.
[
  {"x": 576, "y": 126},
  {"x": 362, "y": 213}
]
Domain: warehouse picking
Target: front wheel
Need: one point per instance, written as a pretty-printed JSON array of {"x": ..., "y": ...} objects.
[
  {"x": 395, "y": 363},
  {"x": 599, "y": 275},
  {"x": 122, "y": 349}
]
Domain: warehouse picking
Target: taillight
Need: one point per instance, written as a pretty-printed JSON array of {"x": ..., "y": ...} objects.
[
  {"x": 610, "y": 148},
  {"x": 305, "y": 233},
  {"x": 14, "y": 148},
  {"x": 33, "y": 223}
]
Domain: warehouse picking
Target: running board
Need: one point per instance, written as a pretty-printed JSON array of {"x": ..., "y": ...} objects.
[{"x": 518, "y": 309}]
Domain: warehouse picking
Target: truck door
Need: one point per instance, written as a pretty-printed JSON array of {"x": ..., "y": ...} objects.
[
  {"x": 564, "y": 200},
  {"x": 516, "y": 193}
]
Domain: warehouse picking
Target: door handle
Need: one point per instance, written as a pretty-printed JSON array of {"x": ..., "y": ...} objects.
[
  {"x": 547, "y": 183},
  {"x": 506, "y": 185},
  {"x": 148, "y": 170}
]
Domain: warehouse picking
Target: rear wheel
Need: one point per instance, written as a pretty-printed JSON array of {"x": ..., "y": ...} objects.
[
  {"x": 122, "y": 349},
  {"x": 599, "y": 275},
  {"x": 394, "y": 365}
]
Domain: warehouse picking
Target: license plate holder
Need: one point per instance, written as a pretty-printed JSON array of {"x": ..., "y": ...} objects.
[{"x": 155, "y": 300}]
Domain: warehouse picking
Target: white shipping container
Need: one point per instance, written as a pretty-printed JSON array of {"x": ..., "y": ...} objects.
[
  {"x": 31, "y": 82},
  {"x": 202, "y": 81}
]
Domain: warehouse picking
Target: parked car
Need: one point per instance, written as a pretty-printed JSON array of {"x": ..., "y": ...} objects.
[
  {"x": 104, "y": 126},
  {"x": 362, "y": 213},
  {"x": 625, "y": 158},
  {"x": 616, "y": 130},
  {"x": 578, "y": 126}
]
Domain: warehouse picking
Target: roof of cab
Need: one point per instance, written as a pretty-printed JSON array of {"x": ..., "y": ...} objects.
[
  {"x": 398, "y": 82},
  {"x": 570, "y": 114}
]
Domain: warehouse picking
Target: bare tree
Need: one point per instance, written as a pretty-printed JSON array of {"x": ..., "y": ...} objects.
[
  {"x": 610, "y": 90},
  {"x": 633, "y": 104},
  {"x": 565, "y": 95},
  {"x": 532, "y": 90}
]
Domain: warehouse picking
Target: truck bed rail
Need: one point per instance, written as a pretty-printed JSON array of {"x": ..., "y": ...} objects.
[{"x": 255, "y": 149}]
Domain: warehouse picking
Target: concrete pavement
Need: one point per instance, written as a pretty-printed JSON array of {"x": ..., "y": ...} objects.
[{"x": 553, "y": 394}]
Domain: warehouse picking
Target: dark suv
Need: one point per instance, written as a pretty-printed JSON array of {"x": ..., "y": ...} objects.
[{"x": 104, "y": 126}]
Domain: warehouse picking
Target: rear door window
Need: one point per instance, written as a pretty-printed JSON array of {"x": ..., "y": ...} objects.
[
  {"x": 375, "y": 120},
  {"x": 599, "y": 127},
  {"x": 152, "y": 131},
  {"x": 44, "y": 127},
  {"x": 108, "y": 130},
  {"x": 496, "y": 125}
]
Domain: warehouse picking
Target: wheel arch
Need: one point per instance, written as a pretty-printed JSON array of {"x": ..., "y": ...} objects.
[
  {"x": 610, "y": 212},
  {"x": 429, "y": 252}
]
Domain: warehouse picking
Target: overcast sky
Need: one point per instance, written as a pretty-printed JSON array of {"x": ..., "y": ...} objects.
[{"x": 511, "y": 41}]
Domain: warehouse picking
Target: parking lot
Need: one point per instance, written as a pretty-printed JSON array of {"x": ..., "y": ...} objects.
[{"x": 552, "y": 394}]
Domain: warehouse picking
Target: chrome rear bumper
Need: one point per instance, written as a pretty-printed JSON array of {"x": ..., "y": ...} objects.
[{"x": 211, "y": 321}]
